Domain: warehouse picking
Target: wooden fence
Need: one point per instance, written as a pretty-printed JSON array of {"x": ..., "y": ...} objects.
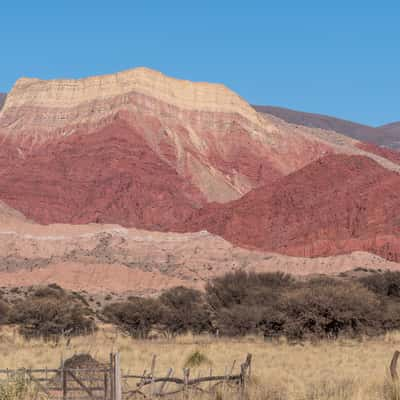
[{"x": 108, "y": 382}]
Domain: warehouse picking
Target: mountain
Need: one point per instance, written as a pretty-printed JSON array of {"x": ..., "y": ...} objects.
[
  {"x": 143, "y": 150},
  {"x": 2, "y": 99},
  {"x": 115, "y": 179},
  {"x": 394, "y": 127},
  {"x": 334, "y": 205},
  {"x": 388, "y": 135},
  {"x": 391, "y": 132}
]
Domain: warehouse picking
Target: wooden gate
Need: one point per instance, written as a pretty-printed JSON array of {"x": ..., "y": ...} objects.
[
  {"x": 66, "y": 383},
  {"x": 106, "y": 382}
]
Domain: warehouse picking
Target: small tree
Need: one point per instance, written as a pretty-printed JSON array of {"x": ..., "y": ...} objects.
[
  {"x": 327, "y": 307},
  {"x": 51, "y": 317},
  {"x": 136, "y": 316},
  {"x": 185, "y": 310}
]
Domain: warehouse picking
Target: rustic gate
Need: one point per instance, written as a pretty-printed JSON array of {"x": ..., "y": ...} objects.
[
  {"x": 95, "y": 381},
  {"x": 68, "y": 383}
]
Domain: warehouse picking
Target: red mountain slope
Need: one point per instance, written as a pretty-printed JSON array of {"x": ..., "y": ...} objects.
[
  {"x": 110, "y": 177},
  {"x": 335, "y": 205},
  {"x": 143, "y": 150},
  {"x": 389, "y": 154}
]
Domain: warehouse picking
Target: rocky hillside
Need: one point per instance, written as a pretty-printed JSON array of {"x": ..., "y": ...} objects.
[
  {"x": 2, "y": 99},
  {"x": 392, "y": 131},
  {"x": 143, "y": 150},
  {"x": 147, "y": 154},
  {"x": 335, "y": 205},
  {"x": 387, "y": 135},
  {"x": 107, "y": 258}
]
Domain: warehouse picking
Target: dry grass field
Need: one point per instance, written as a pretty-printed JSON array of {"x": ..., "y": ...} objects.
[{"x": 328, "y": 370}]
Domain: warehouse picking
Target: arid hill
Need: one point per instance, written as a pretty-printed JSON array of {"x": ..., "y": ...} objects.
[
  {"x": 145, "y": 154},
  {"x": 2, "y": 99},
  {"x": 107, "y": 258},
  {"x": 387, "y": 135},
  {"x": 335, "y": 205},
  {"x": 143, "y": 150},
  {"x": 392, "y": 131}
]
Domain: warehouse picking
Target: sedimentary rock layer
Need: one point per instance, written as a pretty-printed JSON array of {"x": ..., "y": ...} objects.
[
  {"x": 335, "y": 205},
  {"x": 104, "y": 258},
  {"x": 142, "y": 150}
]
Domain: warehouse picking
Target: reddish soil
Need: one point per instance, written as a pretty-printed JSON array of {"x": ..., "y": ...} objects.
[
  {"x": 335, "y": 205},
  {"x": 392, "y": 155}
]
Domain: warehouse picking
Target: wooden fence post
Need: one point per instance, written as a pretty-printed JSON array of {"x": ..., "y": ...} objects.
[
  {"x": 163, "y": 385},
  {"x": 245, "y": 371},
  {"x": 112, "y": 380},
  {"x": 186, "y": 373},
  {"x": 64, "y": 381},
  {"x": 152, "y": 371},
  {"x": 117, "y": 379},
  {"x": 393, "y": 366},
  {"x": 106, "y": 397}
]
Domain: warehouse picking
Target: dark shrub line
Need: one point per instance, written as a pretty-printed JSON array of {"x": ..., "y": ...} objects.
[{"x": 236, "y": 304}]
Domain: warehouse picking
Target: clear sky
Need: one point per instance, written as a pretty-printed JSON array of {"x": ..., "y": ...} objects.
[{"x": 329, "y": 56}]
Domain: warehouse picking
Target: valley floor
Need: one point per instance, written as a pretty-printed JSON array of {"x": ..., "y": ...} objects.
[{"x": 327, "y": 370}]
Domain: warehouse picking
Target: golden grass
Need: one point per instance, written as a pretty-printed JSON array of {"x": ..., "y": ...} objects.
[{"x": 337, "y": 370}]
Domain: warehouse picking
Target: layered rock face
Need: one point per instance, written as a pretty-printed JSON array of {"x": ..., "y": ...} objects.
[
  {"x": 335, "y": 205},
  {"x": 142, "y": 150},
  {"x": 206, "y": 133},
  {"x": 108, "y": 258},
  {"x": 110, "y": 177}
]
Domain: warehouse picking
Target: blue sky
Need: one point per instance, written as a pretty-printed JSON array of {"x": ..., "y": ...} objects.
[{"x": 335, "y": 57}]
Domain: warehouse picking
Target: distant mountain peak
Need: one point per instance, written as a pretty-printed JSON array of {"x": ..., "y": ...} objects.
[
  {"x": 387, "y": 135},
  {"x": 2, "y": 99}
]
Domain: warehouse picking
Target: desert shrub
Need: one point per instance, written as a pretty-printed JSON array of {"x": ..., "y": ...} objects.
[
  {"x": 49, "y": 291},
  {"x": 196, "y": 359},
  {"x": 81, "y": 298},
  {"x": 238, "y": 320},
  {"x": 246, "y": 288},
  {"x": 384, "y": 284},
  {"x": 389, "y": 315},
  {"x": 274, "y": 305},
  {"x": 329, "y": 308},
  {"x": 51, "y": 317},
  {"x": 4, "y": 312},
  {"x": 185, "y": 310},
  {"x": 245, "y": 303},
  {"x": 136, "y": 316}
]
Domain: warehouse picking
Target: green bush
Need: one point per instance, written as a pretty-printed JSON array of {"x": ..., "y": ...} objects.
[
  {"x": 196, "y": 359},
  {"x": 245, "y": 303},
  {"x": 329, "y": 308},
  {"x": 384, "y": 284},
  {"x": 51, "y": 317},
  {"x": 240, "y": 287},
  {"x": 136, "y": 316},
  {"x": 184, "y": 310},
  {"x": 4, "y": 312}
]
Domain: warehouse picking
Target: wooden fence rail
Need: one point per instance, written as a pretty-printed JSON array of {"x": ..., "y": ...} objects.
[
  {"x": 149, "y": 386},
  {"x": 109, "y": 383}
]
